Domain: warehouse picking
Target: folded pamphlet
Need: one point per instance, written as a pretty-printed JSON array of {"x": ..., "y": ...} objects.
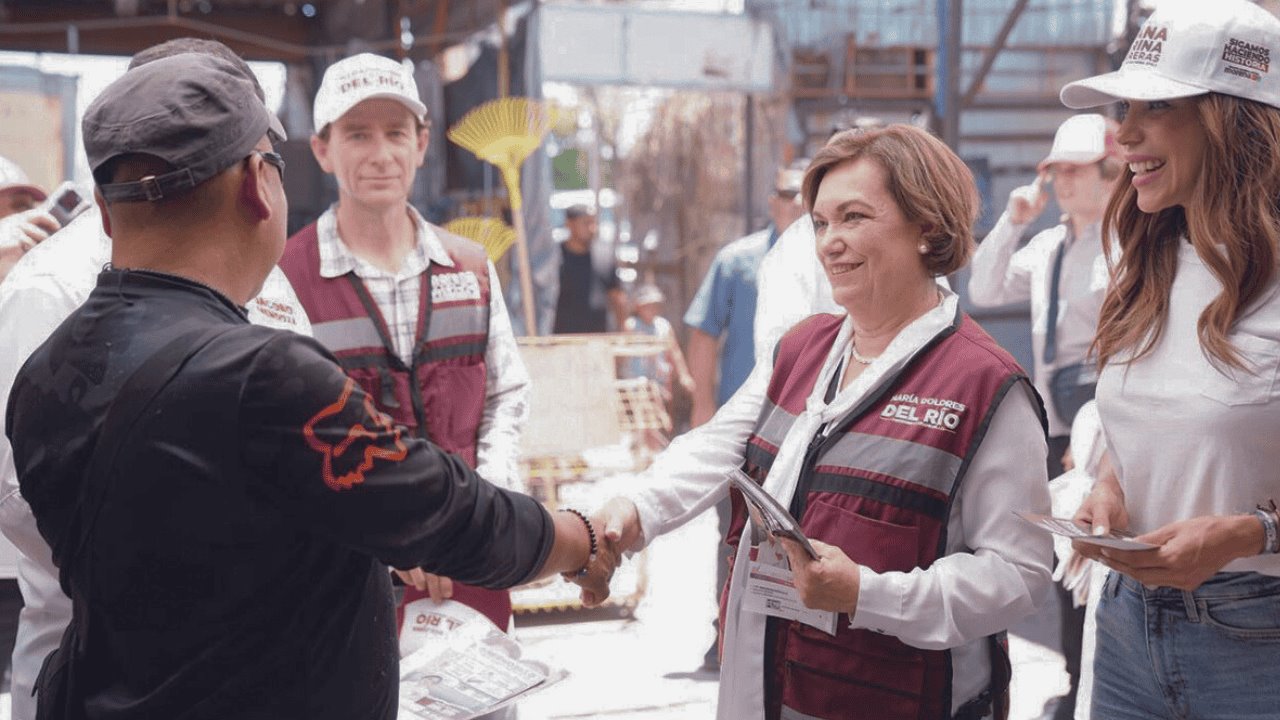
[{"x": 767, "y": 513}]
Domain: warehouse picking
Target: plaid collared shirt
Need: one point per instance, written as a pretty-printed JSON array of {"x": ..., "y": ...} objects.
[{"x": 506, "y": 403}]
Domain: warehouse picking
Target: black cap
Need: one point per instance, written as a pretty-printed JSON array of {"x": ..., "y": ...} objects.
[{"x": 197, "y": 112}]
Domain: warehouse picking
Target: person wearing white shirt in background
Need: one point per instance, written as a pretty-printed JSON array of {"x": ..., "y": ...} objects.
[
  {"x": 865, "y": 425},
  {"x": 1189, "y": 345},
  {"x": 23, "y": 224},
  {"x": 1056, "y": 272},
  {"x": 414, "y": 314},
  {"x": 50, "y": 282}
]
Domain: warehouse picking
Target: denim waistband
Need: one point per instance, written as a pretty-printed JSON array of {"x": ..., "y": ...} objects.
[{"x": 1223, "y": 586}]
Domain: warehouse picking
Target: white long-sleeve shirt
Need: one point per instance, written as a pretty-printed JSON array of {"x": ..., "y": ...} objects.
[
  {"x": 995, "y": 569},
  {"x": 506, "y": 397},
  {"x": 50, "y": 282},
  {"x": 1188, "y": 439},
  {"x": 1003, "y": 274}
]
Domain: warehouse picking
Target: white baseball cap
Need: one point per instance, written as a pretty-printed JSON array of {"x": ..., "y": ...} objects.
[
  {"x": 366, "y": 76},
  {"x": 1081, "y": 140},
  {"x": 1193, "y": 47},
  {"x": 12, "y": 178}
]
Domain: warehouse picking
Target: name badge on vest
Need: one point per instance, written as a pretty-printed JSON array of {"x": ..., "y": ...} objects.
[
  {"x": 452, "y": 287},
  {"x": 771, "y": 591}
]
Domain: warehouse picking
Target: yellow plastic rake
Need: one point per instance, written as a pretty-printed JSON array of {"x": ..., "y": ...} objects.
[
  {"x": 505, "y": 132},
  {"x": 495, "y": 236}
]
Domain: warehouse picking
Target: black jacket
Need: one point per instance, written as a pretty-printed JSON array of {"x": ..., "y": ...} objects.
[{"x": 239, "y": 560}]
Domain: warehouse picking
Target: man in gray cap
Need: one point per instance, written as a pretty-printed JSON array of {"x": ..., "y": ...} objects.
[{"x": 191, "y": 471}]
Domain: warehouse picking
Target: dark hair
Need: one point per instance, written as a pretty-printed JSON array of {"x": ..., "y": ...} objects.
[
  {"x": 930, "y": 184},
  {"x": 576, "y": 211}
]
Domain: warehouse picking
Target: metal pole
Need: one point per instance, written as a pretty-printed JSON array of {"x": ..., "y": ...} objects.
[
  {"x": 947, "y": 90},
  {"x": 749, "y": 175}
]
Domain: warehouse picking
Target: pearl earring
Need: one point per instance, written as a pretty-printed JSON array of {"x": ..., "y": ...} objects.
[{"x": 924, "y": 248}]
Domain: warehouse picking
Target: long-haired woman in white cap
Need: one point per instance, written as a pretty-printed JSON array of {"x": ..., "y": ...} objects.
[{"x": 1189, "y": 339}]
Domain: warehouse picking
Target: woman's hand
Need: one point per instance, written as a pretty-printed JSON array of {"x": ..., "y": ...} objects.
[
  {"x": 829, "y": 583},
  {"x": 1103, "y": 509},
  {"x": 1190, "y": 551}
]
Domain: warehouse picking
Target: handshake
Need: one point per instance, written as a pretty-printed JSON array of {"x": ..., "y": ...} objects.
[{"x": 616, "y": 526}]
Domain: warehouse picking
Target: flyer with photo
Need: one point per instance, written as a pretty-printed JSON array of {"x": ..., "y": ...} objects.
[{"x": 1068, "y": 528}]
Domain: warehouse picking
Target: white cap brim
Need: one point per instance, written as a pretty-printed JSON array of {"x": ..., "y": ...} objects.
[
  {"x": 1127, "y": 83},
  {"x": 417, "y": 108}
]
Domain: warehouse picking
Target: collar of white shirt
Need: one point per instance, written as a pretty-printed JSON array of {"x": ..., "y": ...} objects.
[{"x": 336, "y": 259}]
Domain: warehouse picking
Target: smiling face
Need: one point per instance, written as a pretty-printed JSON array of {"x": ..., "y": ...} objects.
[
  {"x": 868, "y": 247},
  {"x": 373, "y": 150},
  {"x": 1164, "y": 146}
]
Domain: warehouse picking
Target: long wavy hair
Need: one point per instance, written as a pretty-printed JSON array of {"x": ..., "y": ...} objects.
[{"x": 1234, "y": 225}]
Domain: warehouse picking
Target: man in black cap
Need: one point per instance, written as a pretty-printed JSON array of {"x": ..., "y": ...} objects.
[{"x": 191, "y": 471}]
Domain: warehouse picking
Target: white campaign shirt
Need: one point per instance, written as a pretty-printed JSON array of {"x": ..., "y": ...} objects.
[
  {"x": 1002, "y": 274},
  {"x": 51, "y": 281},
  {"x": 1189, "y": 439},
  {"x": 996, "y": 567},
  {"x": 506, "y": 399}
]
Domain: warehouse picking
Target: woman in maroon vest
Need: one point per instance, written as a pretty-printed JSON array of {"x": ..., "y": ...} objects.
[{"x": 902, "y": 437}]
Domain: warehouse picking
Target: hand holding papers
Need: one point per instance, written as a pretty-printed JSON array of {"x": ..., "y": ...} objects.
[
  {"x": 1080, "y": 532},
  {"x": 770, "y": 587},
  {"x": 767, "y": 515}
]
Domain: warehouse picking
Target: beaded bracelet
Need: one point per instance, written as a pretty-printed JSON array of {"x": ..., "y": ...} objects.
[
  {"x": 1270, "y": 517},
  {"x": 591, "y": 536}
]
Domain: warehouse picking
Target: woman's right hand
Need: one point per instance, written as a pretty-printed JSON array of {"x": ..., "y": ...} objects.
[{"x": 1103, "y": 510}]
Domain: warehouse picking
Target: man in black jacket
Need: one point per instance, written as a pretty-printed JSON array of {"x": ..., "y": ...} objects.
[{"x": 236, "y": 567}]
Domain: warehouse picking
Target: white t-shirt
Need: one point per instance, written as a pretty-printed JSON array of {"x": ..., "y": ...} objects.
[{"x": 1189, "y": 439}]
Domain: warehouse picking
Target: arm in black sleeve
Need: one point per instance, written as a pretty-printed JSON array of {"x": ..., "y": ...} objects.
[{"x": 329, "y": 459}]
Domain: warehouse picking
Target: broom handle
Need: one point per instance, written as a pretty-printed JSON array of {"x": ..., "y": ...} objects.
[{"x": 526, "y": 279}]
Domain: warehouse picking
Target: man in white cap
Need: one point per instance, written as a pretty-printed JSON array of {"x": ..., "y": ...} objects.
[
  {"x": 1055, "y": 271},
  {"x": 415, "y": 314},
  {"x": 22, "y": 223}
]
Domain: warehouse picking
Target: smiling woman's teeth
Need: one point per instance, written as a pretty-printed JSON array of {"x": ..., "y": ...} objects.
[
  {"x": 841, "y": 269},
  {"x": 1142, "y": 168}
]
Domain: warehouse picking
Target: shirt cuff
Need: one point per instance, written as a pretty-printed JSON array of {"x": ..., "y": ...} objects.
[{"x": 880, "y": 600}]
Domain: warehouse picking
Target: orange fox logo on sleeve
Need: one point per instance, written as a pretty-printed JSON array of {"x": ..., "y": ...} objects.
[{"x": 368, "y": 451}]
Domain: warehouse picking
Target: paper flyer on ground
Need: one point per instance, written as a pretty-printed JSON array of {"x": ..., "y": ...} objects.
[
  {"x": 459, "y": 666},
  {"x": 766, "y": 513},
  {"x": 1069, "y": 528}
]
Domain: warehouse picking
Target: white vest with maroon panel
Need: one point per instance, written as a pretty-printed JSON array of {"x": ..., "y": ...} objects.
[{"x": 881, "y": 488}]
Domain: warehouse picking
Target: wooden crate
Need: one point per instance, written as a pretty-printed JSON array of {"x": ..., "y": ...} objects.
[
  {"x": 890, "y": 72},
  {"x": 810, "y": 73}
]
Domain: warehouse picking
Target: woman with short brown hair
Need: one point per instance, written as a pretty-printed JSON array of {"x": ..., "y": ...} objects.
[
  {"x": 1189, "y": 342},
  {"x": 902, "y": 437}
]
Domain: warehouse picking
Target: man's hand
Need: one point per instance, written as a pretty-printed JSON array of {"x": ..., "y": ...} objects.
[
  {"x": 21, "y": 232},
  {"x": 829, "y": 583},
  {"x": 438, "y": 586},
  {"x": 599, "y": 570},
  {"x": 1027, "y": 202}
]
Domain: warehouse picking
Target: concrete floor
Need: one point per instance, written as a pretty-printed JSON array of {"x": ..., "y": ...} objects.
[{"x": 648, "y": 666}]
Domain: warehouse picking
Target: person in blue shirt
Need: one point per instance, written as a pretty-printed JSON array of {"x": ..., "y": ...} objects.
[
  {"x": 725, "y": 308},
  {"x": 725, "y": 305}
]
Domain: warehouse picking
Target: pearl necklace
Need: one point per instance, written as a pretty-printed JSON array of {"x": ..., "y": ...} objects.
[{"x": 853, "y": 350}]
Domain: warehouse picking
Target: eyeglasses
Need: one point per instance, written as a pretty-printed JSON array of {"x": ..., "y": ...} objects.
[{"x": 273, "y": 159}]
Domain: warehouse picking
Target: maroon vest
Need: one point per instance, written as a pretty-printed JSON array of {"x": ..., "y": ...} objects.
[
  {"x": 881, "y": 489},
  {"x": 440, "y": 395}
]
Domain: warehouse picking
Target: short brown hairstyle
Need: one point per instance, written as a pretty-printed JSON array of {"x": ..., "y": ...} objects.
[{"x": 931, "y": 185}]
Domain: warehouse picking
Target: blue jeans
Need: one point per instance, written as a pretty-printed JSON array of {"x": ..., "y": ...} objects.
[{"x": 1211, "y": 654}]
